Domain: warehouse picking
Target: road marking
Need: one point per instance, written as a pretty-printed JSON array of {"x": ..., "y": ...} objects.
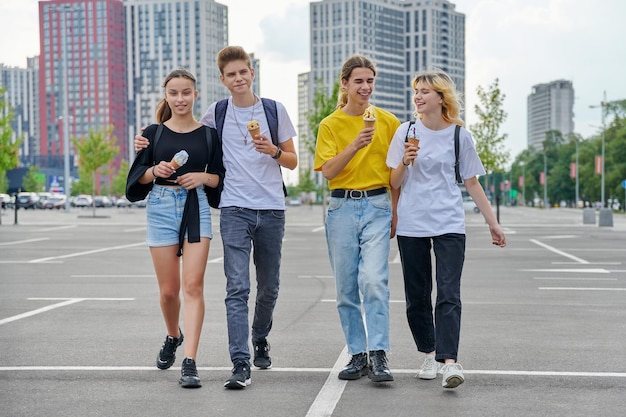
[
  {"x": 585, "y": 271},
  {"x": 19, "y": 242},
  {"x": 580, "y": 289},
  {"x": 559, "y": 237},
  {"x": 216, "y": 260},
  {"x": 555, "y": 250},
  {"x": 330, "y": 394},
  {"x": 316, "y": 276},
  {"x": 89, "y": 252},
  {"x": 574, "y": 279},
  {"x": 112, "y": 276},
  {"x": 66, "y": 302},
  {"x": 306, "y": 370},
  {"x": 318, "y": 229},
  {"x": 589, "y": 263},
  {"x": 52, "y": 229},
  {"x": 136, "y": 229}
]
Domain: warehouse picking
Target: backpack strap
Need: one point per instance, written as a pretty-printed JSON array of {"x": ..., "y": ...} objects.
[
  {"x": 457, "y": 173},
  {"x": 157, "y": 136},
  {"x": 220, "y": 115}
]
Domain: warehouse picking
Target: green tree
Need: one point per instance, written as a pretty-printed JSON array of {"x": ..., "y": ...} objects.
[
  {"x": 33, "y": 180},
  {"x": 94, "y": 152},
  {"x": 323, "y": 105},
  {"x": 491, "y": 115},
  {"x": 119, "y": 181},
  {"x": 8, "y": 147}
]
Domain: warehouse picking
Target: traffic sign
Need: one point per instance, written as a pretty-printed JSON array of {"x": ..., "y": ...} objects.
[{"x": 624, "y": 184}]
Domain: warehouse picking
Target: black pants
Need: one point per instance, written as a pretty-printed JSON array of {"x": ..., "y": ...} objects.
[{"x": 442, "y": 334}]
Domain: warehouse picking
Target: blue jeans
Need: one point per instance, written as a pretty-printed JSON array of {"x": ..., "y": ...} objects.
[
  {"x": 442, "y": 335},
  {"x": 240, "y": 229},
  {"x": 357, "y": 233}
]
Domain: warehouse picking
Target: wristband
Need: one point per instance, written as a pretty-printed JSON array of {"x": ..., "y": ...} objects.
[
  {"x": 406, "y": 165},
  {"x": 278, "y": 154},
  {"x": 153, "y": 174}
]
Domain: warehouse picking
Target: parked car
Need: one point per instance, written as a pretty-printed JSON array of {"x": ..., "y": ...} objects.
[
  {"x": 27, "y": 200},
  {"x": 82, "y": 200},
  {"x": 469, "y": 205},
  {"x": 102, "y": 201},
  {"x": 43, "y": 196},
  {"x": 122, "y": 202},
  {"x": 5, "y": 200},
  {"x": 57, "y": 201}
]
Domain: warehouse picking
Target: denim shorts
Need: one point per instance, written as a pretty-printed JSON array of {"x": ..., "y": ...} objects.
[{"x": 165, "y": 211}]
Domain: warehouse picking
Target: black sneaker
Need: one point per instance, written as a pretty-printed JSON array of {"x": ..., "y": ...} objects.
[
  {"x": 240, "y": 377},
  {"x": 261, "y": 354},
  {"x": 378, "y": 369},
  {"x": 189, "y": 374},
  {"x": 167, "y": 355},
  {"x": 356, "y": 368}
]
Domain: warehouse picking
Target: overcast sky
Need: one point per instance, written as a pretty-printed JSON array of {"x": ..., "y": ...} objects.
[{"x": 520, "y": 42}]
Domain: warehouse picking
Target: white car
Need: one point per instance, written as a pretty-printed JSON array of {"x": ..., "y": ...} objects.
[{"x": 469, "y": 205}]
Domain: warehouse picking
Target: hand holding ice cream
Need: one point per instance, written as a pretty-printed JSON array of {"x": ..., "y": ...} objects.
[
  {"x": 179, "y": 159},
  {"x": 413, "y": 137}
]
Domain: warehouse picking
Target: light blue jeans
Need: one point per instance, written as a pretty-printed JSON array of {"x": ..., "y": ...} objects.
[
  {"x": 240, "y": 229},
  {"x": 357, "y": 233}
]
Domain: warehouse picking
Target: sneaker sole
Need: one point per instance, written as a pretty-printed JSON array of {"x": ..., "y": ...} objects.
[
  {"x": 237, "y": 384},
  {"x": 190, "y": 383},
  {"x": 453, "y": 382},
  {"x": 164, "y": 365},
  {"x": 263, "y": 365},
  {"x": 427, "y": 376}
]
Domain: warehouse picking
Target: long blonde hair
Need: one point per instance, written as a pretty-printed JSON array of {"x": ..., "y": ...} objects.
[
  {"x": 441, "y": 82},
  {"x": 164, "y": 112},
  {"x": 355, "y": 61}
]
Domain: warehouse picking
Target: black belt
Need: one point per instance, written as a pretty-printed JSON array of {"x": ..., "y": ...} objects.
[{"x": 357, "y": 194}]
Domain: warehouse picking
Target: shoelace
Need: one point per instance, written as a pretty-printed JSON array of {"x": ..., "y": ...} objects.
[
  {"x": 354, "y": 360},
  {"x": 189, "y": 369},
  {"x": 262, "y": 349},
  {"x": 447, "y": 367}
]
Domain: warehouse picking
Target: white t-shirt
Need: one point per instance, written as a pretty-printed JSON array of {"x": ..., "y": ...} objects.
[
  {"x": 253, "y": 179},
  {"x": 430, "y": 201}
]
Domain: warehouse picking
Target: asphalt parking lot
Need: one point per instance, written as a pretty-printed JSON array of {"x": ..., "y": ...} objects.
[{"x": 543, "y": 330}]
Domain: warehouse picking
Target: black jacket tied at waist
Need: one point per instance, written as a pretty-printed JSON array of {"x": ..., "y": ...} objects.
[{"x": 190, "y": 222}]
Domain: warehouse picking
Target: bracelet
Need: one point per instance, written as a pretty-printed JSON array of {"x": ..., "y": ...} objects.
[
  {"x": 406, "y": 165},
  {"x": 278, "y": 154},
  {"x": 153, "y": 174}
]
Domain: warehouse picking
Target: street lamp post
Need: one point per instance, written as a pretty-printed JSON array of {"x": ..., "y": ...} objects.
[
  {"x": 523, "y": 164},
  {"x": 66, "y": 119},
  {"x": 545, "y": 179},
  {"x": 606, "y": 215},
  {"x": 577, "y": 194}
]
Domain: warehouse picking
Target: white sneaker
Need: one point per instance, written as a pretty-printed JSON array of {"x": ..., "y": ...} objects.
[
  {"x": 452, "y": 375},
  {"x": 430, "y": 367}
]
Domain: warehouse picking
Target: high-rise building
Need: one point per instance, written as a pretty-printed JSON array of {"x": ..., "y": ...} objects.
[
  {"x": 162, "y": 35},
  {"x": 550, "y": 107},
  {"x": 21, "y": 96},
  {"x": 400, "y": 36},
  {"x": 82, "y": 65}
]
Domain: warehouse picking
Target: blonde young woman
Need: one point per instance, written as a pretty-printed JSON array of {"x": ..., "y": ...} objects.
[
  {"x": 431, "y": 216},
  {"x": 178, "y": 216}
]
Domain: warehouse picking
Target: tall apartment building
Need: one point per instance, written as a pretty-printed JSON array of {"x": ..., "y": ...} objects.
[
  {"x": 21, "y": 95},
  {"x": 82, "y": 62},
  {"x": 162, "y": 35},
  {"x": 550, "y": 107},
  {"x": 400, "y": 36}
]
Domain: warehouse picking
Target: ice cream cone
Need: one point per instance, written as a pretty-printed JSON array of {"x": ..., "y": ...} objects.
[
  {"x": 416, "y": 142},
  {"x": 254, "y": 128},
  {"x": 179, "y": 159},
  {"x": 369, "y": 122}
]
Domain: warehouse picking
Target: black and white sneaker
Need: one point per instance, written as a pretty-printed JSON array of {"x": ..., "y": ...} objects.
[
  {"x": 262, "y": 354},
  {"x": 167, "y": 355},
  {"x": 189, "y": 374},
  {"x": 241, "y": 376}
]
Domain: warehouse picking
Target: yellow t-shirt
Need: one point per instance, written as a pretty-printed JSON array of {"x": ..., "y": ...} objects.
[{"x": 367, "y": 169}]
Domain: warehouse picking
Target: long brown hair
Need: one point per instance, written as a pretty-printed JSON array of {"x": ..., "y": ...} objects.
[
  {"x": 355, "y": 61},
  {"x": 441, "y": 83},
  {"x": 164, "y": 112}
]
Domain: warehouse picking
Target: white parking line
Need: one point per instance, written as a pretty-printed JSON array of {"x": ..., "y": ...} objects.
[
  {"x": 555, "y": 250},
  {"x": 89, "y": 252},
  {"x": 18, "y": 242},
  {"x": 330, "y": 394},
  {"x": 65, "y": 302},
  {"x": 580, "y": 289}
]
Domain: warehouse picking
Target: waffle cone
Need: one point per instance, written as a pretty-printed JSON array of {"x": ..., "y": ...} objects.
[
  {"x": 369, "y": 123},
  {"x": 416, "y": 142}
]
